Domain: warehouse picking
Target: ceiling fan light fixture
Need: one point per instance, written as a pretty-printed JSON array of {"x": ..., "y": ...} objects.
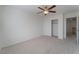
[{"x": 46, "y": 12}]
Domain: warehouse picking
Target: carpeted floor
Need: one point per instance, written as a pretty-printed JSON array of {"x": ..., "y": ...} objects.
[{"x": 43, "y": 45}]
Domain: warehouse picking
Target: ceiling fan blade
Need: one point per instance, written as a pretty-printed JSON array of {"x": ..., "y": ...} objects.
[
  {"x": 41, "y": 8},
  {"x": 39, "y": 12},
  {"x": 52, "y": 7},
  {"x": 53, "y": 11}
]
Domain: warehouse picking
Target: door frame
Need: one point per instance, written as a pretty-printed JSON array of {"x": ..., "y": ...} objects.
[
  {"x": 77, "y": 39},
  {"x": 77, "y": 34}
]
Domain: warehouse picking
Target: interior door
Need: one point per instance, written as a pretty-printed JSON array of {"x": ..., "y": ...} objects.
[
  {"x": 77, "y": 30},
  {"x": 54, "y": 28}
]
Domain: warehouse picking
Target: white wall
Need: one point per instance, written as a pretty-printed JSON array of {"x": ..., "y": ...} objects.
[
  {"x": 19, "y": 26},
  {"x": 1, "y": 36},
  {"x": 47, "y": 25}
]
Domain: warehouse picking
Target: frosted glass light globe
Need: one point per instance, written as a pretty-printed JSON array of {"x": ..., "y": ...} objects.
[{"x": 46, "y": 12}]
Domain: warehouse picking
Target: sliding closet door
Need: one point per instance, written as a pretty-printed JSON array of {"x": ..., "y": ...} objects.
[{"x": 54, "y": 28}]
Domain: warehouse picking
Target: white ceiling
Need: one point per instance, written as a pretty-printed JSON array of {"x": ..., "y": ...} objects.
[{"x": 59, "y": 8}]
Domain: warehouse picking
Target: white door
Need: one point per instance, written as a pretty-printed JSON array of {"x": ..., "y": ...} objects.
[
  {"x": 54, "y": 28},
  {"x": 77, "y": 30}
]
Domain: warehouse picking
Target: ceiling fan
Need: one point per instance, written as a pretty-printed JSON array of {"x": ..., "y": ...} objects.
[{"x": 47, "y": 10}]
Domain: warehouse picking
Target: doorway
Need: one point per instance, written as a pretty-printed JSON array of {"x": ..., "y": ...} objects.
[
  {"x": 54, "y": 28},
  {"x": 71, "y": 27}
]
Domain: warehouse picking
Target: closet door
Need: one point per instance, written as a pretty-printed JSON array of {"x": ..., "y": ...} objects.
[{"x": 55, "y": 27}]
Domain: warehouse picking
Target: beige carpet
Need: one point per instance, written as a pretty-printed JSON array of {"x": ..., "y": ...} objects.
[{"x": 43, "y": 45}]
